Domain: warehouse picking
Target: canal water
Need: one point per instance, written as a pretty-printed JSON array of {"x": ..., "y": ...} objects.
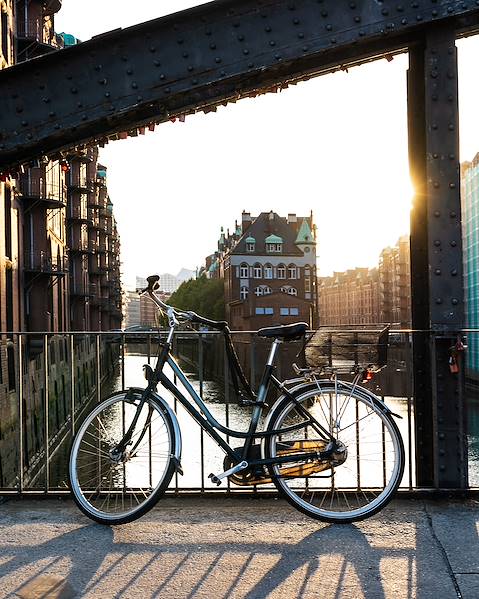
[{"x": 201, "y": 455}]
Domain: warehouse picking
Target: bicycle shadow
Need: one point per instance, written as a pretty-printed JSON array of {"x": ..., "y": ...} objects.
[{"x": 101, "y": 561}]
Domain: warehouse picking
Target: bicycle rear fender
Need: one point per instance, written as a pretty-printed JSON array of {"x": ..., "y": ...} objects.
[{"x": 166, "y": 408}]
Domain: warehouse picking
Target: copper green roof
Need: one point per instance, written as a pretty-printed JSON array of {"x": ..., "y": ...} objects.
[
  {"x": 304, "y": 233},
  {"x": 250, "y": 240},
  {"x": 273, "y": 239}
]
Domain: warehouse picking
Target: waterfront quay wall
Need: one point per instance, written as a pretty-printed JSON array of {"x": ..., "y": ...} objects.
[{"x": 44, "y": 381}]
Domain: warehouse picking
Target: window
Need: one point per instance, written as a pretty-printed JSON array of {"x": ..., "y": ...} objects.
[
  {"x": 284, "y": 311},
  {"x": 258, "y": 291},
  {"x": 289, "y": 290},
  {"x": 268, "y": 271},
  {"x": 4, "y": 33},
  {"x": 281, "y": 271},
  {"x": 257, "y": 271},
  {"x": 261, "y": 311},
  {"x": 294, "y": 311},
  {"x": 289, "y": 311},
  {"x": 274, "y": 247},
  {"x": 307, "y": 285},
  {"x": 244, "y": 271},
  {"x": 262, "y": 290},
  {"x": 250, "y": 247},
  {"x": 292, "y": 271},
  {"x": 243, "y": 293}
]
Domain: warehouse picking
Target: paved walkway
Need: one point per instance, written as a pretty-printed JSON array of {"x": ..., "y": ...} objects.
[{"x": 234, "y": 547}]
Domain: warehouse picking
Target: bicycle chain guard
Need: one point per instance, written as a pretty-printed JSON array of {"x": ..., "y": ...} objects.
[{"x": 258, "y": 475}]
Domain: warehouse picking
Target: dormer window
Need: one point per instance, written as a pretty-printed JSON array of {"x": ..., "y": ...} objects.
[
  {"x": 274, "y": 244},
  {"x": 250, "y": 244}
]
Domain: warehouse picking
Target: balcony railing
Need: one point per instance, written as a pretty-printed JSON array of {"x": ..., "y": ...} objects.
[
  {"x": 41, "y": 262},
  {"x": 36, "y": 188}
]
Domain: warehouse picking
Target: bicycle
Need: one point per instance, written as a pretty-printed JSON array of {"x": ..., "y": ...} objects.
[{"x": 330, "y": 447}]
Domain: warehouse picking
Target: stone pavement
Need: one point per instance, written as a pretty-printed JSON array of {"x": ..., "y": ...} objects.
[{"x": 240, "y": 547}]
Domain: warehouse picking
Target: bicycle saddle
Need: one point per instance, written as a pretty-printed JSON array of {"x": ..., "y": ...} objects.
[{"x": 288, "y": 332}]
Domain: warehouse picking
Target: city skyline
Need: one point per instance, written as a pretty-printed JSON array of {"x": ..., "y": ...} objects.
[{"x": 308, "y": 145}]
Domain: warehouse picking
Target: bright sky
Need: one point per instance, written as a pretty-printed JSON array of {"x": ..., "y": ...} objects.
[{"x": 336, "y": 145}]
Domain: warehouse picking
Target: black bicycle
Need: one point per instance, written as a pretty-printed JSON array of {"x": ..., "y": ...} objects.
[{"x": 331, "y": 447}]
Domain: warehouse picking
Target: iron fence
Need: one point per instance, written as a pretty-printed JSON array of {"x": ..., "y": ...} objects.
[{"x": 49, "y": 381}]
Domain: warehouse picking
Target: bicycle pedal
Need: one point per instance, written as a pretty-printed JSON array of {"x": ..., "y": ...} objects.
[{"x": 214, "y": 479}]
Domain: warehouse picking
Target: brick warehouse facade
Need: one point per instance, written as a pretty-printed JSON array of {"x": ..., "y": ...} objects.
[{"x": 269, "y": 268}]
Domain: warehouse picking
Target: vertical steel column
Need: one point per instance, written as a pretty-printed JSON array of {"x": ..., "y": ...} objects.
[{"x": 436, "y": 259}]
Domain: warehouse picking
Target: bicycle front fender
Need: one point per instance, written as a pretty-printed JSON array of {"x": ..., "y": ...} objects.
[{"x": 174, "y": 420}]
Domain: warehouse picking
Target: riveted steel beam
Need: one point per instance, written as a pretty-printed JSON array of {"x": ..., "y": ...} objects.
[
  {"x": 436, "y": 259},
  {"x": 196, "y": 59}
]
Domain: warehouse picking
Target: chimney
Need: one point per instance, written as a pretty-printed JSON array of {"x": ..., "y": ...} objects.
[{"x": 245, "y": 220}]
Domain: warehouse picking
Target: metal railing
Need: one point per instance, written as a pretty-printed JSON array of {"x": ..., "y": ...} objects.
[
  {"x": 42, "y": 262},
  {"x": 54, "y": 379}
]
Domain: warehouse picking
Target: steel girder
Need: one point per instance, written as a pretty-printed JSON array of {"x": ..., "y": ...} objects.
[
  {"x": 196, "y": 59},
  {"x": 436, "y": 260}
]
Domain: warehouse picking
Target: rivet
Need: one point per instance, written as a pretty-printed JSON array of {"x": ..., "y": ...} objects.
[
  {"x": 452, "y": 156},
  {"x": 246, "y": 51},
  {"x": 190, "y": 68},
  {"x": 301, "y": 35},
  {"x": 46, "y": 100},
  {"x": 57, "y": 126},
  {"x": 250, "y": 65},
  {"x": 435, "y": 155},
  {"x": 434, "y": 74},
  {"x": 152, "y": 49},
  {"x": 157, "y": 63},
  {"x": 361, "y": 33},
  {"x": 296, "y": 21},
  {"x": 400, "y": 8},
  {"x": 434, "y": 126},
  {"x": 167, "y": 90},
  {"x": 223, "y": 73},
  {"x": 437, "y": 271},
  {"x": 185, "y": 54},
  {"x": 357, "y": 19},
  {"x": 84, "y": 117},
  {"x": 436, "y": 184},
  {"x": 453, "y": 214},
  {"x": 333, "y": 40},
  {"x": 453, "y": 243},
  {"x": 74, "y": 90},
  {"x": 324, "y": 13},
  {"x": 437, "y": 213},
  {"x": 454, "y": 272},
  {"x": 80, "y": 104},
  {"x": 134, "y": 85},
  {"x": 29, "y": 136},
  {"x": 107, "y": 94},
  {"x": 272, "y": 43},
  {"x": 352, "y": 5},
  {"x": 241, "y": 38},
  {"x": 438, "y": 301},
  {"x": 267, "y": 29},
  {"x": 139, "y": 98},
  {"x": 434, "y": 97},
  {"x": 24, "y": 123},
  {"x": 418, "y": 17},
  {"x": 98, "y": 67},
  {"x": 454, "y": 301},
  {"x": 213, "y": 46},
  {"x": 437, "y": 242},
  {"x": 305, "y": 48},
  {"x": 452, "y": 185},
  {"x": 129, "y": 71},
  {"x": 208, "y": 32},
  {"x": 195, "y": 81},
  {"x": 51, "y": 114},
  {"x": 451, "y": 127},
  {"x": 329, "y": 27},
  {"x": 162, "y": 76},
  {"x": 277, "y": 56},
  {"x": 102, "y": 81},
  {"x": 450, "y": 75},
  {"x": 403, "y": 21},
  {"x": 434, "y": 13}
]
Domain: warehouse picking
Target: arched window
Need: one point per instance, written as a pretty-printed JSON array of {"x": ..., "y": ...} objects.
[
  {"x": 257, "y": 271},
  {"x": 281, "y": 271},
  {"x": 268, "y": 271},
  {"x": 244, "y": 271},
  {"x": 292, "y": 272},
  {"x": 262, "y": 290},
  {"x": 258, "y": 291},
  {"x": 292, "y": 291},
  {"x": 244, "y": 293}
]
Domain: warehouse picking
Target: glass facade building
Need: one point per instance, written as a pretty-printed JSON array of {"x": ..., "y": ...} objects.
[{"x": 470, "y": 223}]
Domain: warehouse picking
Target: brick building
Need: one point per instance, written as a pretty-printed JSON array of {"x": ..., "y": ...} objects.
[
  {"x": 350, "y": 297},
  {"x": 269, "y": 267},
  {"x": 364, "y": 296}
]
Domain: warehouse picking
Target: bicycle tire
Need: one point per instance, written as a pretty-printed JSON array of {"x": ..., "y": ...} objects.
[
  {"x": 88, "y": 458},
  {"x": 313, "y": 495}
]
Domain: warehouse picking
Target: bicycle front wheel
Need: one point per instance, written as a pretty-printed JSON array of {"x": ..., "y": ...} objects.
[
  {"x": 115, "y": 489},
  {"x": 361, "y": 477}
]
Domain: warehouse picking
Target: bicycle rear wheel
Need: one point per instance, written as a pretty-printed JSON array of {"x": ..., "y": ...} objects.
[
  {"x": 114, "y": 489},
  {"x": 367, "y": 468}
]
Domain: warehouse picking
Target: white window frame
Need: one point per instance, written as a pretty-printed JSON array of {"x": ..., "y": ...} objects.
[
  {"x": 257, "y": 268},
  {"x": 250, "y": 247},
  {"x": 292, "y": 271},
  {"x": 244, "y": 269},
  {"x": 281, "y": 267},
  {"x": 268, "y": 271},
  {"x": 244, "y": 292}
]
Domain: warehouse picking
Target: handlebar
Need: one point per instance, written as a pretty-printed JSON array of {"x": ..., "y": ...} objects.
[{"x": 175, "y": 315}]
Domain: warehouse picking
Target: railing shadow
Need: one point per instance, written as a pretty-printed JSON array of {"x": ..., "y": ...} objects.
[{"x": 264, "y": 554}]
